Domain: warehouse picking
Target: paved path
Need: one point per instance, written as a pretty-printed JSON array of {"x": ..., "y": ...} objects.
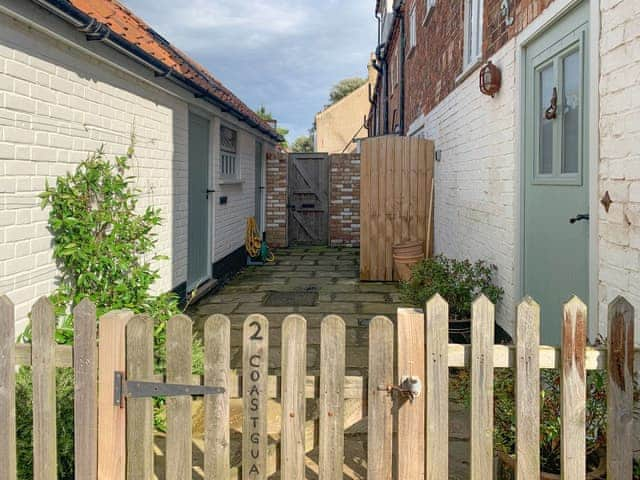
[{"x": 330, "y": 276}]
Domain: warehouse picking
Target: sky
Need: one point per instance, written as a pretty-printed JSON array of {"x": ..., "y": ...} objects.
[{"x": 284, "y": 54}]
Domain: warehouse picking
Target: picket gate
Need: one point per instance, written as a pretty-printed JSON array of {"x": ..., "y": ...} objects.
[{"x": 114, "y": 442}]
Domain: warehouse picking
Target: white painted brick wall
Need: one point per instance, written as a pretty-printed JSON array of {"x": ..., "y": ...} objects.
[
  {"x": 619, "y": 230},
  {"x": 475, "y": 213},
  {"x": 57, "y": 104}
]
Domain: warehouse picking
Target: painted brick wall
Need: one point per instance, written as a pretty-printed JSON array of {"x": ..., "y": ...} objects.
[
  {"x": 619, "y": 230},
  {"x": 57, "y": 105},
  {"x": 475, "y": 210},
  {"x": 276, "y": 216},
  {"x": 344, "y": 200}
]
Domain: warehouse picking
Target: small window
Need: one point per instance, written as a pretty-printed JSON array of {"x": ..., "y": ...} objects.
[
  {"x": 396, "y": 73},
  {"x": 228, "y": 152},
  {"x": 472, "y": 32},
  {"x": 428, "y": 8},
  {"x": 412, "y": 27}
]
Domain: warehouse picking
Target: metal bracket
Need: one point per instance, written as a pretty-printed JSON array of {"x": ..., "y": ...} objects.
[{"x": 134, "y": 389}]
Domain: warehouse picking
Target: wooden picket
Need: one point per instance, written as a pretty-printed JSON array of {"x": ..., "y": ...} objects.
[{"x": 107, "y": 434}]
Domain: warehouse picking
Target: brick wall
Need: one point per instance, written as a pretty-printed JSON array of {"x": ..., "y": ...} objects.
[
  {"x": 344, "y": 200},
  {"x": 276, "y": 209},
  {"x": 619, "y": 230}
]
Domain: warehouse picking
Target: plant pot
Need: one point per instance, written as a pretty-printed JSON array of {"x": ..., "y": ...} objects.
[
  {"x": 405, "y": 256},
  {"x": 509, "y": 461}
]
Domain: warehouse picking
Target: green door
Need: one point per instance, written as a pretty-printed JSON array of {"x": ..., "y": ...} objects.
[
  {"x": 556, "y": 168},
  {"x": 198, "y": 264}
]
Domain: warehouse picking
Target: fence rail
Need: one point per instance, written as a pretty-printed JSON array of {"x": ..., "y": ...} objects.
[{"x": 116, "y": 443}]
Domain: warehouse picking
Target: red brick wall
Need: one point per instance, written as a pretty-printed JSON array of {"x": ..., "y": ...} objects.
[
  {"x": 276, "y": 208},
  {"x": 344, "y": 200},
  {"x": 432, "y": 67}
]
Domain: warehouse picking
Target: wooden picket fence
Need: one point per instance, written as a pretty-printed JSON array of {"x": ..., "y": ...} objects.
[{"x": 116, "y": 442}]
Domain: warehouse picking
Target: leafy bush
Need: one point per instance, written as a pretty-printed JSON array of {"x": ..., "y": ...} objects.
[
  {"x": 505, "y": 413},
  {"x": 459, "y": 282},
  {"x": 103, "y": 245},
  {"x": 64, "y": 419}
]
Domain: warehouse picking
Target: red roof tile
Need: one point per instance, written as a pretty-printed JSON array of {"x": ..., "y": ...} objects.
[{"x": 125, "y": 23}]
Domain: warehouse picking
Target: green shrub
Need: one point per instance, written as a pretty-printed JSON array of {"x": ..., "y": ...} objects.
[
  {"x": 459, "y": 282},
  {"x": 64, "y": 420}
]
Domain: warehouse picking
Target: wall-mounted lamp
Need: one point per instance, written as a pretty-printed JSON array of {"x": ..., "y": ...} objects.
[
  {"x": 490, "y": 79},
  {"x": 505, "y": 11}
]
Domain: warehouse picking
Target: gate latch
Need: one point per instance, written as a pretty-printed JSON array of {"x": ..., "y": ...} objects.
[
  {"x": 134, "y": 389},
  {"x": 410, "y": 387}
]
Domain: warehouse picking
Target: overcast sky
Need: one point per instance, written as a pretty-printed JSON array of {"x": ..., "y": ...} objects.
[{"x": 285, "y": 54}]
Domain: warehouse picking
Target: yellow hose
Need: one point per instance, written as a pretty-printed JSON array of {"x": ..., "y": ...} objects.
[{"x": 252, "y": 240}]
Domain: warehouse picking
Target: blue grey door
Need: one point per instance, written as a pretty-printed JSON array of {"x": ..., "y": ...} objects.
[
  {"x": 259, "y": 187},
  {"x": 198, "y": 264},
  {"x": 556, "y": 168}
]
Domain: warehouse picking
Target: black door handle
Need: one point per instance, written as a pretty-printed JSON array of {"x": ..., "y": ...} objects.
[
  {"x": 210, "y": 191},
  {"x": 582, "y": 216}
]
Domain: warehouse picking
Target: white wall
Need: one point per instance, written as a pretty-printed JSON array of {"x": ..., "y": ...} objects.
[
  {"x": 619, "y": 230},
  {"x": 59, "y": 102},
  {"x": 476, "y": 180}
]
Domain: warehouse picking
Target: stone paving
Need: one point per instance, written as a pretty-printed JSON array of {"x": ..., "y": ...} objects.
[{"x": 332, "y": 275}]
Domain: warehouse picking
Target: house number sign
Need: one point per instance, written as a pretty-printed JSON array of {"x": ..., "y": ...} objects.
[{"x": 255, "y": 371}]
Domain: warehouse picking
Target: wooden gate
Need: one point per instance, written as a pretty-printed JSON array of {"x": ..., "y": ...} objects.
[
  {"x": 114, "y": 438},
  {"x": 308, "y": 199},
  {"x": 396, "y": 201}
]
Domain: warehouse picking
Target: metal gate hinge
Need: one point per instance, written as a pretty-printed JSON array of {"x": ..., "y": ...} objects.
[{"x": 123, "y": 388}]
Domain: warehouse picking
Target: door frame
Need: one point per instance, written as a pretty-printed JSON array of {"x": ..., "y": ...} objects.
[
  {"x": 540, "y": 25},
  {"x": 211, "y": 181}
]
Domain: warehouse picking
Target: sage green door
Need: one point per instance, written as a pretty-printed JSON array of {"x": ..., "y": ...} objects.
[
  {"x": 556, "y": 168},
  {"x": 198, "y": 264}
]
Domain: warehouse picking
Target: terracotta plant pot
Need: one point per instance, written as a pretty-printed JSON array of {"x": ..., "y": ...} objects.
[
  {"x": 510, "y": 462},
  {"x": 405, "y": 256}
]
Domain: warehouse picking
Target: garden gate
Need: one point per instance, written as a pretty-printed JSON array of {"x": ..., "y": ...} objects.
[
  {"x": 114, "y": 438},
  {"x": 308, "y": 202}
]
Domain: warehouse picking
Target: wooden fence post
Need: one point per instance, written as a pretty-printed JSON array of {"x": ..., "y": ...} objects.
[
  {"x": 332, "y": 371},
  {"x": 380, "y": 420},
  {"x": 179, "y": 371},
  {"x": 255, "y": 371},
  {"x": 294, "y": 372},
  {"x": 112, "y": 419},
  {"x": 437, "y": 389},
  {"x": 140, "y": 410},
  {"x": 45, "y": 456},
  {"x": 217, "y": 348},
  {"x": 7, "y": 389},
  {"x": 85, "y": 372},
  {"x": 620, "y": 390},
  {"x": 528, "y": 390},
  {"x": 573, "y": 461},
  {"x": 482, "y": 337},
  {"x": 411, "y": 424}
]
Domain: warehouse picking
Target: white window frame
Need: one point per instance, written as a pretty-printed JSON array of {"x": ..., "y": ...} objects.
[
  {"x": 413, "y": 28},
  {"x": 473, "y": 26},
  {"x": 229, "y": 169},
  {"x": 429, "y": 5}
]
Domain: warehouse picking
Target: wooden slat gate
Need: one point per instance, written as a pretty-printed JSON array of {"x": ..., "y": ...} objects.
[
  {"x": 114, "y": 442},
  {"x": 308, "y": 202},
  {"x": 396, "y": 200}
]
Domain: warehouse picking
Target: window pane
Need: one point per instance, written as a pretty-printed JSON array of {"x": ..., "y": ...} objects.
[
  {"x": 571, "y": 113},
  {"x": 545, "y": 160}
]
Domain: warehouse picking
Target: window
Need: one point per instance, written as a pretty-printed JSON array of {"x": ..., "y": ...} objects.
[
  {"x": 428, "y": 7},
  {"x": 228, "y": 151},
  {"x": 472, "y": 32},
  {"x": 412, "y": 27},
  {"x": 396, "y": 73}
]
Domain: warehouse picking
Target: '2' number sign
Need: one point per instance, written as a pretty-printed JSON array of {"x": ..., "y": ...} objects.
[{"x": 255, "y": 370}]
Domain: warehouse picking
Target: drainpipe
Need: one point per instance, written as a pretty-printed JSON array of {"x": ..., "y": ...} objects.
[
  {"x": 96, "y": 31},
  {"x": 400, "y": 17}
]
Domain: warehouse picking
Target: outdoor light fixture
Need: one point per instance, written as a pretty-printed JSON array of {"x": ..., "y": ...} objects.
[{"x": 490, "y": 79}]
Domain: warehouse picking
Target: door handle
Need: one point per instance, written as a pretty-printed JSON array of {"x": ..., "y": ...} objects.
[
  {"x": 209, "y": 191},
  {"x": 291, "y": 207},
  {"x": 577, "y": 218}
]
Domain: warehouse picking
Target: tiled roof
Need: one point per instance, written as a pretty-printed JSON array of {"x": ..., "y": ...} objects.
[{"x": 129, "y": 26}]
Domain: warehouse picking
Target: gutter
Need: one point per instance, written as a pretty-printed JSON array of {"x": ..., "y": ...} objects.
[
  {"x": 96, "y": 31},
  {"x": 401, "y": 52}
]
